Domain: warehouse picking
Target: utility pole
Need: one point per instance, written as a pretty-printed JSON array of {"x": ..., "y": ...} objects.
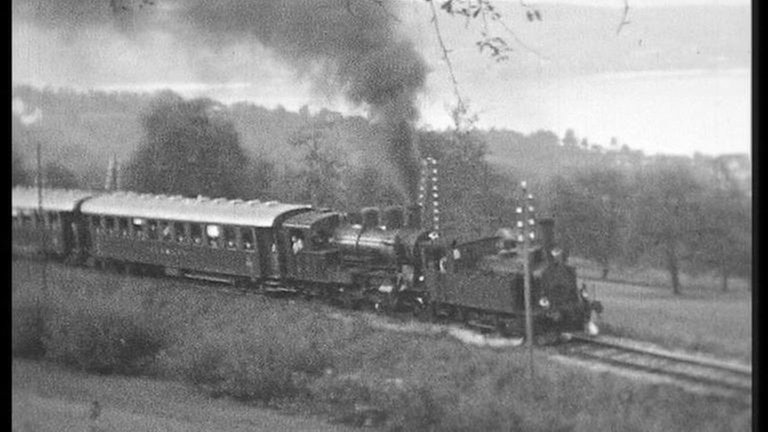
[
  {"x": 526, "y": 225},
  {"x": 40, "y": 216}
]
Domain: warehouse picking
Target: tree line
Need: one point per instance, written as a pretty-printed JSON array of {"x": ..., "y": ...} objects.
[{"x": 669, "y": 213}]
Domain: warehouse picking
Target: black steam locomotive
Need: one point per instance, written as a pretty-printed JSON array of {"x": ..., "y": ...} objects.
[{"x": 383, "y": 260}]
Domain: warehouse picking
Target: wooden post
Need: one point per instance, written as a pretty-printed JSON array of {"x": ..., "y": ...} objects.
[{"x": 40, "y": 215}]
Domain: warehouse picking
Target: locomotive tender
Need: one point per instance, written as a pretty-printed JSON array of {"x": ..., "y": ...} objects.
[{"x": 364, "y": 259}]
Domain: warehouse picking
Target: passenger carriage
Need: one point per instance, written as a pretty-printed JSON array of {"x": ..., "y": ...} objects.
[
  {"x": 231, "y": 240},
  {"x": 55, "y": 230}
]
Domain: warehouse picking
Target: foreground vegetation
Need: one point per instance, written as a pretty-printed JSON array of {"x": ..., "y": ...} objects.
[{"x": 303, "y": 357}]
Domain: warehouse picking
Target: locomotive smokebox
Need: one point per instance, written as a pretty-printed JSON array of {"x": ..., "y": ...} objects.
[
  {"x": 414, "y": 217},
  {"x": 370, "y": 217},
  {"x": 393, "y": 217},
  {"x": 547, "y": 227}
]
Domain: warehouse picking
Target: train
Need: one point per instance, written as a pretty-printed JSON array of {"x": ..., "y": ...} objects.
[{"x": 384, "y": 260}]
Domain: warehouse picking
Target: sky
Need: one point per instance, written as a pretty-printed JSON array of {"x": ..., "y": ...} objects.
[{"x": 673, "y": 81}]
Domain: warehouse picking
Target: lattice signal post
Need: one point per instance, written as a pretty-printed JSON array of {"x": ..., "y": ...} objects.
[
  {"x": 429, "y": 193},
  {"x": 526, "y": 225}
]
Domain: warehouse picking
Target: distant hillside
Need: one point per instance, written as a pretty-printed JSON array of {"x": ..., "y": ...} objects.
[{"x": 83, "y": 130}]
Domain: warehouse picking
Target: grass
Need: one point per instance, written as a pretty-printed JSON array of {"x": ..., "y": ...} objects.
[
  {"x": 296, "y": 356},
  {"x": 716, "y": 324}
]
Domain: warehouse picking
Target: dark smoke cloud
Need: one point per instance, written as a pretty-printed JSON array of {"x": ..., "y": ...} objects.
[
  {"x": 351, "y": 47},
  {"x": 71, "y": 15}
]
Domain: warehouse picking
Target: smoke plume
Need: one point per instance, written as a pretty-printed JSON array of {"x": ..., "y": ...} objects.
[{"x": 350, "y": 47}]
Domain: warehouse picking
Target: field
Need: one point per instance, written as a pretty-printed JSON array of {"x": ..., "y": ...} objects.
[
  {"x": 302, "y": 359},
  {"x": 639, "y": 305},
  {"x": 46, "y": 397}
]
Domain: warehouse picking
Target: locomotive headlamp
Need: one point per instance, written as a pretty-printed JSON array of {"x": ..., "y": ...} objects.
[{"x": 544, "y": 302}]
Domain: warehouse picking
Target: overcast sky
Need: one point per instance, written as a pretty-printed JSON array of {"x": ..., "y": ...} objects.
[{"x": 674, "y": 80}]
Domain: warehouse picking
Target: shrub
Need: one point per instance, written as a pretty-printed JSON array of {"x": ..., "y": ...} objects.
[
  {"x": 27, "y": 330},
  {"x": 102, "y": 341}
]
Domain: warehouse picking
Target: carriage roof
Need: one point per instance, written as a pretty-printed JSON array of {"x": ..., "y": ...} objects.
[
  {"x": 308, "y": 219},
  {"x": 58, "y": 200},
  {"x": 201, "y": 209}
]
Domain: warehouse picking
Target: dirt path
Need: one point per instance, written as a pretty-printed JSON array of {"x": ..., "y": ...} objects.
[{"x": 46, "y": 397}]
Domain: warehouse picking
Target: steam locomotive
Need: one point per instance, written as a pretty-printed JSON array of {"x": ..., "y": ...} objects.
[{"x": 384, "y": 260}]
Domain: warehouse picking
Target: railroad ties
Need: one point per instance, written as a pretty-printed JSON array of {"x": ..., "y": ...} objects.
[{"x": 701, "y": 374}]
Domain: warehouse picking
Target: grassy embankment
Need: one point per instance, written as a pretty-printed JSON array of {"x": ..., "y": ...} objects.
[
  {"x": 639, "y": 304},
  {"x": 296, "y": 357}
]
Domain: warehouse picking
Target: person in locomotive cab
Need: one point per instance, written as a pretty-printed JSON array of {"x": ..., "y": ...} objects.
[
  {"x": 297, "y": 244},
  {"x": 558, "y": 256}
]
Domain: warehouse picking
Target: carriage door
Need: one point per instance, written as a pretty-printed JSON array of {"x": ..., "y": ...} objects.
[{"x": 269, "y": 257}]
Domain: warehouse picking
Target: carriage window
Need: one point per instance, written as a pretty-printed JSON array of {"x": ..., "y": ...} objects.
[
  {"x": 230, "y": 241},
  {"x": 197, "y": 234},
  {"x": 165, "y": 230},
  {"x": 152, "y": 231},
  {"x": 55, "y": 220},
  {"x": 213, "y": 232},
  {"x": 109, "y": 225},
  {"x": 139, "y": 228},
  {"x": 96, "y": 223},
  {"x": 180, "y": 232},
  {"x": 122, "y": 225},
  {"x": 247, "y": 236}
]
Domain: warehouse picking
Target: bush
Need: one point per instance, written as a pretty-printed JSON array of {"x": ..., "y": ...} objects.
[
  {"x": 27, "y": 330},
  {"x": 102, "y": 341}
]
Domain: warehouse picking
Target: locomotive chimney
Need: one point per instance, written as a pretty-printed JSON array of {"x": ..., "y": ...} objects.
[
  {"x": 547, "y": 231},
  {"x": 370, "y": 217},
  {"x": 414, "y": 216}
]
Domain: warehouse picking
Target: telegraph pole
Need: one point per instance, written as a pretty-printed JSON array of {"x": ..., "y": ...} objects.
[
  {"x": 40, "y": 216},
  {"x": 527, "y": 233}
]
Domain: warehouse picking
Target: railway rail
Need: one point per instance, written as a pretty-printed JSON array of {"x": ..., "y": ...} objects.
[{"x": 696, "y": 373}]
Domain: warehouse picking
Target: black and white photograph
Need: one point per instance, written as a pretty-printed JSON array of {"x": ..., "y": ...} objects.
[{"x": 382, "y": 215}]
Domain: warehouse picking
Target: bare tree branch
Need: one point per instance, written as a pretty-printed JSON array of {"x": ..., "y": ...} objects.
[
  {"x": 447, "y": 60},
  {"x": 624, "y": 20}
]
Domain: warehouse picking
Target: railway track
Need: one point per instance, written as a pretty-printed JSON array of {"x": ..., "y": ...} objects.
[{"x": 695, "y": 373}]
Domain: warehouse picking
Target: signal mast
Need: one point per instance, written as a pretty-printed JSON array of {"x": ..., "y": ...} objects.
[{"x": 526, "y": 225}]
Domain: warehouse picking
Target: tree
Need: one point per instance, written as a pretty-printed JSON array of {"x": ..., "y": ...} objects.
[
  {"x": 725, "y": 241},
  {"x": 19, "y": 174},
  {"x": 589, "y": 207},
  {"x": 189, "y": 148},
  {"x": 58, "y": 176},
  {"x": 570, "y": 140},
  {"x": 323, "y": 164},
  {"x": 665, "y": 219},
  {"x": 466, "y": 181}
]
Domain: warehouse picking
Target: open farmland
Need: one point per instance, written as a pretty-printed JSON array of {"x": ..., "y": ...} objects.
[
  {"x": 709, "y": 322},
  {"x": 293, "y": 356}
]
